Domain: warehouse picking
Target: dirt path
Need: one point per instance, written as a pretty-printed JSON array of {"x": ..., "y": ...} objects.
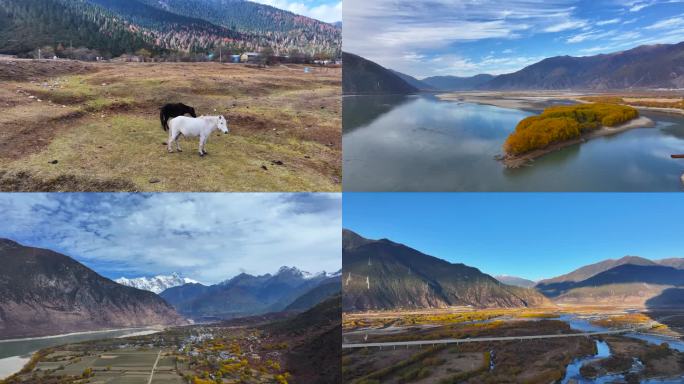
[{"x": 154, "y": 367}]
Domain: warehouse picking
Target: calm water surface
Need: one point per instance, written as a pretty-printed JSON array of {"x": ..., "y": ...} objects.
[{"x": 419, "y": 143}]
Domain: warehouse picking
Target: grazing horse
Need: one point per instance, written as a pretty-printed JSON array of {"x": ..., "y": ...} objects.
[
  {"x": 202, "y": 126},
  {"x": 169, "y": 111}
]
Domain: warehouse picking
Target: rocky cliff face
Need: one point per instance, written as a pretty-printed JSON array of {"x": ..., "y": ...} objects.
[
  {"x": 385, "y": 275},
  {"x": 45, "y": 293}
]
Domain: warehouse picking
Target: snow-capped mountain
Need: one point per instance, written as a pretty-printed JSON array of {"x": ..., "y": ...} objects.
[
  {"x": 156, "y": 284},
  {"x": 303, "y": 274}
]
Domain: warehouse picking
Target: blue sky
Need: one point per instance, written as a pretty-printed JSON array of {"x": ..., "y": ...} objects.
[
  {"x": 329, "y": 11},
  {"x": 531, "y": 235},
  {"x": 203, "y": 236},
  {"x": 467, "y": 37}
]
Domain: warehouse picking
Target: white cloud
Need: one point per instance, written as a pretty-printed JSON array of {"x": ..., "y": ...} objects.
[
  {"x": 327, "y": 12},
  {"x": 674, "y": 22},
  {"x": 608, "y": 22},
  {"x": 395, "y": 33},
  {"x": 207, "y": 237},
  {"x": 592, "y": 35}
]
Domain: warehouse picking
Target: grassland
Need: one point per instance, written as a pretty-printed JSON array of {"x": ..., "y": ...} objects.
[{"x": 69, "y": 126}]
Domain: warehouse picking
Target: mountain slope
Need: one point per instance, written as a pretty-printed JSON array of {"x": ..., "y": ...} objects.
[
  {"x": 318, "y": 294},
  {"x": 253, "y": 18},
  {"x": 551, "y": 287},
  {"x": 44, "y": 293},
  {"x": 646, "y": 66},
  {"x": 674, "y": 262},
  {"x": 455, "y": 83},
  {"x": 74, "y": 23},
  {"x": 243, "y": 295},
  {"x": 412, "y": 81},
  {"x": 316, "y": 359},
  {"x": 114, "y": 27},
  {"x": 625, "y": 284},
  {"x": 155, "y": 284},
  {"x": 364, "y": 77},
  {"x": 382, "y": 274}
]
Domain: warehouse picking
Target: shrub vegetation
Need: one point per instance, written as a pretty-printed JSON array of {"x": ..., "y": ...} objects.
[{"x": 565, "y": 122}]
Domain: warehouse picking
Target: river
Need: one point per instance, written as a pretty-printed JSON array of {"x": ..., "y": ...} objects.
[
  {"x": 421, "y": 143},
  {"x": 572, "y": 374},
  {"x": 15, "y": 353}
]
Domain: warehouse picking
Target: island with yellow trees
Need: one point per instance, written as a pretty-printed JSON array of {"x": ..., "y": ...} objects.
[{"x": 558, "y": 127}]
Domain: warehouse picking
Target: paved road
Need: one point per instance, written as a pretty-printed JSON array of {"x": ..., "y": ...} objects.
[
  {"x": 506, "y": 338},
  {"x": 484, "y": 339}
]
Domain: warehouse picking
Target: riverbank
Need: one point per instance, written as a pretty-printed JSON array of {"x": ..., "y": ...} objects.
[
  {"x": 519, "y": 100},
  {"x": 12, "y": 365},
  {"x": 15, "y": 353},
  {"x": 81, "y": 333},
  {"x": 519, "y": 160},
  {"x": 511, "y": 100}
]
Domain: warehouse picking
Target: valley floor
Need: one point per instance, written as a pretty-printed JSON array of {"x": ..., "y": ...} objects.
[
  {"x": 537, "y": 100},
  {"x": 71, "y": 126},
  {"x": 197, "y": 354},
  {"x": 639, "y": 347}
]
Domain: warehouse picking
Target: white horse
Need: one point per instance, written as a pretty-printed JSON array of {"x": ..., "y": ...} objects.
[{"x": 201, "y": 126}]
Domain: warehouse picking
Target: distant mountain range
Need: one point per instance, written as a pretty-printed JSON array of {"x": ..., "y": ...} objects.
[
  {"x": 629, "y": 280},
  {"x": 455, "y": 83},
  {"x": 114, "y": 27},
  {"x": 156, "y": 284},
  {"x": 514, "y": 280},
  {"x": 45, "y": 293},
  {"x": 646, "y": 66},
  {"x": 381, "y": 274},
  {"x": 245, "y": 294}
]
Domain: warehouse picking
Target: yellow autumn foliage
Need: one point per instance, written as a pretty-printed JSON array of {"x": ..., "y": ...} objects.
[{"x": 566, "y": 122}]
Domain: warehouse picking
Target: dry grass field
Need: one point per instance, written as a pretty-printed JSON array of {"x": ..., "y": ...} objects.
[{"x": 70, "y": 126}]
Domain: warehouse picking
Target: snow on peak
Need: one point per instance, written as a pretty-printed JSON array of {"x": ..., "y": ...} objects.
[{"x": 156, "y": 284}]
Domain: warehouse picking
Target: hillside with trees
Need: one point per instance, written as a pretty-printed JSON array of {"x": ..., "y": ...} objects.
[{"x": 162, "y": 29}]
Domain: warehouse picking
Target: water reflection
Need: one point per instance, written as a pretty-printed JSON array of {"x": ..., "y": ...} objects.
[{"x": 419, "y": 143}]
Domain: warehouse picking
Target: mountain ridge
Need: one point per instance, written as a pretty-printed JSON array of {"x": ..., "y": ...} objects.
[
  {"x": 115, "y": 27},
  {"x": 364, "y": 77},
  {"x": 382, "y": 274},
  {"x": 245, "y": 294},
  {"x": 641, "y": 67},
  {"x": 156, "y": 284},
  {"x": 43, "y": 292}
]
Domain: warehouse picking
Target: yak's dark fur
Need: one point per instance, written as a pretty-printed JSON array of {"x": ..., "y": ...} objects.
[{"x": 169, "y": 111}]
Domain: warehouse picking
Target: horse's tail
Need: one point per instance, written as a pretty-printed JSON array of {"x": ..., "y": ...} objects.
[{"x": 164, "y": 119}]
